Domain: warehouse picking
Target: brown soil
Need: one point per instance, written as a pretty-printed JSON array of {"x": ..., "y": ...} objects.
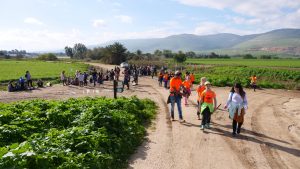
[{"x": 270, "y": 137}]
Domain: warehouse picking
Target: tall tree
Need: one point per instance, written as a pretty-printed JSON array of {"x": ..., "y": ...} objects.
[
  {"x": 139, "y": 52},
  {"x": 115, "y": 54},
  {"x": 158, "y": 52},
  {"x": 69, "y": 51},
  {"x": 168, "y": 53},
  {"x": 96, "y": 53},
  {"x": 190, "y": 54},
  {"x": 79, "y": 51},
  {"x": 180, "y": 57}
]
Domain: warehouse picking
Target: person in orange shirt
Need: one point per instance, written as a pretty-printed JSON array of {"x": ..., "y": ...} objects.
[
  {"x": 186, "y": 90},
  {"x": 192, "y": 79},
  {"x": 175, "y": 95},
  {"x": 200, "y": 89},
  {"x": 253, "y": 82},
  {"x": 160, "y": 78},
  {"x": 166, "y": 79},
  {"x": 208, "y": 104}
]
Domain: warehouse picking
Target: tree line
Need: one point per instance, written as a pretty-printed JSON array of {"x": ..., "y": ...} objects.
[
  {"x": 15, "y": 53},
  {"x": 118, "y": 53}
]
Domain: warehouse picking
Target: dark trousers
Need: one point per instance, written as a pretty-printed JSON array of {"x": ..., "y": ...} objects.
[
  {"x": 166, "y": 84},
  {"x": 206, "y": 116},
  {"x": 236, "y": 127},
  {"x": 254, "y": 86},
  {"x": 198, "y": 104},
  {"x": 29, "y": 82}
]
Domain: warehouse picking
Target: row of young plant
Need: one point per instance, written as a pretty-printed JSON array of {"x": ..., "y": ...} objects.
[
  {"x": 267, "y": 77},
  {"x": 76, "y": 133}
]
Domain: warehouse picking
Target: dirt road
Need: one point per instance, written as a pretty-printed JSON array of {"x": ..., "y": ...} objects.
[{"x": 270, "y": 137}]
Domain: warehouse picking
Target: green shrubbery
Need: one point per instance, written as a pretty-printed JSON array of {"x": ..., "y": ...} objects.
[
  {"x": 76, "y": 133},
  {"x": 267, "y": 77},
  {"x": 47, "y": 57}
]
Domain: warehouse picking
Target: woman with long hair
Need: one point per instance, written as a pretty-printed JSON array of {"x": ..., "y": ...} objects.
[{"x": 237, "y": 104}]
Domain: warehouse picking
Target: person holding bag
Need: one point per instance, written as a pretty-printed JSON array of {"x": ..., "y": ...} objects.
[{"x": 237, "y": 104}]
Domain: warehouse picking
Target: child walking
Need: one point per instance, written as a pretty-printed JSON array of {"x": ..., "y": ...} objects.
[
  {"x": 208, "y": 104},
  {"x": 200, "y": 89}
]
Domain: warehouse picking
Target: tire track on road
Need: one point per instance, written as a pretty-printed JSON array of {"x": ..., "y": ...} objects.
[
  {"x": 273, "y": 158},
  {"x": 242, "y": 154}
]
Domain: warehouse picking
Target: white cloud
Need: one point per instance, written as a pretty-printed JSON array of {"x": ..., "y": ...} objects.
[
  {"x": 34, "y": 21},
  {"x": 41, "y": 40},
  {"x": 267, "y": 13},
  {"x": 124, "y": 18},
  {"x": 99, "y": 23},
  {"x": 249, "y": 7},
  {"x": 38, "y": 40}
]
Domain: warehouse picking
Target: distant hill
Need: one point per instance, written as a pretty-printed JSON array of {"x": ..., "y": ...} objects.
[{"x": 282, "y": 41}]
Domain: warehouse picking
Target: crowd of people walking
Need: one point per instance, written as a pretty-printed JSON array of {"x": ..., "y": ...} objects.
[{"x": 181, "y": 87}]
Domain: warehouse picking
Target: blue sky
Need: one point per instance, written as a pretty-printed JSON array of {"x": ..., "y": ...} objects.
[{"x": 37, "y": 25}]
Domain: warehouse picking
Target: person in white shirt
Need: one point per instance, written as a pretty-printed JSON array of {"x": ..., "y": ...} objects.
[{"x": 237, "y": 104}]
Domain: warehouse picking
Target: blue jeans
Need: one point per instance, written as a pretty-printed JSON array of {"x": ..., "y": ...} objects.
[{"x": 177, "y": 100}]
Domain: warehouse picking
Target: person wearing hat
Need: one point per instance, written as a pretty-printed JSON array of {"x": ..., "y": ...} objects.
[
  {"x": 175, "y": 95},
  {"x": 208, "y": 103}
]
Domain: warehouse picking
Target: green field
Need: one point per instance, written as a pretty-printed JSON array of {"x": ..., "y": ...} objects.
[
  {"x": 288, "y": 63},
  {"x": 277, "y": 74},
  {"x": 267, "y": 77},
  {"x": 13, "y": 70}
]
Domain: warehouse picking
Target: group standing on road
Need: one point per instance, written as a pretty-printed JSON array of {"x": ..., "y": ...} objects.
[{"x": 236, "y": 104}]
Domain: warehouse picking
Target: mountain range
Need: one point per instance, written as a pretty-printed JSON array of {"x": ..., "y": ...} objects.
[{"x": 280, "y": 41}]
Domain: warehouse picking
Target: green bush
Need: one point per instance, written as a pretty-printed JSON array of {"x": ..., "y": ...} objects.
[
  {"x": 47, "y": 56},
  {"x": 76, "y": 133}
]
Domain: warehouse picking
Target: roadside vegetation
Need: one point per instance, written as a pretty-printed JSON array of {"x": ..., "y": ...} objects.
[
  {"x": 288, "y": 63},
  {"x": 271, "y": 73},
  {"x": 267, "y": 77},
  {"x": 76, "y": 133}
]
